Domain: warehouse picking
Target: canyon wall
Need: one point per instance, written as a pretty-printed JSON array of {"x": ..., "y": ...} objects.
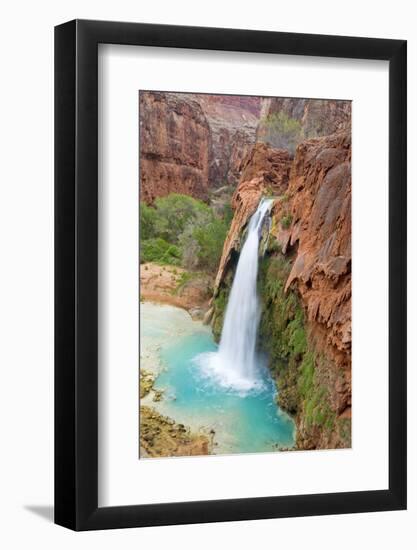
[
  {"x": 233, "y": 122},
  {"x": 315, "y": 117},
  {"x": 191, "y": 143},
  {"x": 198, "y": 145},
  {"x": 304, "y": 280},
  {"x": 175, "y": 146},
  {"x": 316, "y": 239}
]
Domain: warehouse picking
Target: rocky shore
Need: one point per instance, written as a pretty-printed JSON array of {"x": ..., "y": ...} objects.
[
  {"x": 161, "y": 436},
  {"x": 165, "y": 284}
]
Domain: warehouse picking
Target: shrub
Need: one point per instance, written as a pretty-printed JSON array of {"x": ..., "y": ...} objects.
[
  {"x": 175, "y": 212},
  {"x": 210, "y": 240},
  {"x": 160, "y": 251},
  {"x": 202, "y": 241},
  {"x": 188, "y": 225},
  {"x": 286, "y": 221},
  {"x": 182, "y": 280},
  {"x": 228, "y": 214},
  {"x": 281, "y": 131},
  {"x": 147, "y": 216}
]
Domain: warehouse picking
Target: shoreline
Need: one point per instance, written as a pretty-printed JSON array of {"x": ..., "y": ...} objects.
[
  {"x": 161, "y": 436},
  {"x": 177, "y": 287},
  {"x": 165, "y": 326},
  {"x": 180, "y": 439}
]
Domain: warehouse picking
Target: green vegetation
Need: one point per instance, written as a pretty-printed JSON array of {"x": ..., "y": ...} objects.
[
  {"x": 160, "y": 251},
  {"x": 306, "y": 378},
  {"x": 283, "y": 335},
  {"x": 281, "y": 131},
  {"x": 345, "y": 431},
  {"x": 282, "y": 317},
  {"x": 147, "y": 221},
  {"x": 317, "y": 410},
  {"x": 183, "y": 279},
  {"x": 181, "y": 230},
  {"x": 228, "y": 213},
  {"x": 202, "y": 243},
  {"x": 286, "y": 221},
  {"x": 210, "y": 239},
  {"x": 219, "y": 304},
  {"x": 174, "y": 212}
]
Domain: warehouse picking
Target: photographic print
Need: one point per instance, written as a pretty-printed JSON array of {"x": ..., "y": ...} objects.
[{"x": 245, "y": 274}]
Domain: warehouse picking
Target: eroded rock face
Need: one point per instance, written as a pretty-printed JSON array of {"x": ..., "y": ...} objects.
[
  {"x": 175, "y": 146},
  {"x": 319, "y": 236},
  {"x": 317, "y": 117},
  {"x": 165, "y": 285},
  {"x": 320, "y": 205},
  {"x": 264, "y": 171},
  {"x": 311, "y": 233},
  {"x": 192, "y": 142},
  {"x": 251, "y": 104},
  {"x": 233, "y": 121}
]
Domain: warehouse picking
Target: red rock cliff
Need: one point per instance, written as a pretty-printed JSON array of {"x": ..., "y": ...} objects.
[
  {"x": 192, "y": 142},
  {"x": 319, "y": 207},
  {"x": 175, "y": 146},
  {"x": 312, "y": 229},
  {"x": 320, "y": 197},
  {"x": 233, "y": 121},
  {"x": 317, "y": 117}
]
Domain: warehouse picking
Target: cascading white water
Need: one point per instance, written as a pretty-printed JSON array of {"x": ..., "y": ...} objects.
[{"x": 235, "y": 363}]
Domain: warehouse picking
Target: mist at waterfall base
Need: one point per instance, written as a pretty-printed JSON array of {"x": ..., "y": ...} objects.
[
  {"x": 243, "y": 423},
  {"x": 228, "y": 387}
]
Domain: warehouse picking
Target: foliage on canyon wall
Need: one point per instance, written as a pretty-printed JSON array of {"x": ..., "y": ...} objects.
[
  {"x": 293, "y": 360},
  {"x": 281, "y": 131},
  {"x": 219, "y": 305},
  {"x": 286, "y": 122}
]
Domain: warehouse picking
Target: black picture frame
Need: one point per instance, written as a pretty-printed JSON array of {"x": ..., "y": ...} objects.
[{"x": 76, "y": 274}]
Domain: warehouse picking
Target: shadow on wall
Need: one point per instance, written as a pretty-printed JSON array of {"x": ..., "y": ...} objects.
[{"x": 45, "y": 512}]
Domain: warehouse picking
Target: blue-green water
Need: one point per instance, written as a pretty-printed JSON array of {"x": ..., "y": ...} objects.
[{"x": 243, "y": 423}]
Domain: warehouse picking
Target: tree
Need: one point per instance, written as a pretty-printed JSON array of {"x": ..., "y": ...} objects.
[{"x": 281, "y": 131}]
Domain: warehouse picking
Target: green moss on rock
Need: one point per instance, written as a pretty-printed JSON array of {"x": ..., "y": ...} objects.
[
  {"x": 283, "y": 334},
  {"x": 344, "y": 427},
  {"x": 219, "y": 305}
]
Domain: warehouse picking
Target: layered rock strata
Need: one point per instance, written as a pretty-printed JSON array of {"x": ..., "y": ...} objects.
[
  {"x": 175, "y": 146},
  {"x": 317, "y": 117},
  {"x": 191, "y": 143},
  {"x": 233, "y": 122}
]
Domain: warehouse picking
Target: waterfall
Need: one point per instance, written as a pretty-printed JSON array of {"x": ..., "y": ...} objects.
[{"x": 235, "y": 363}]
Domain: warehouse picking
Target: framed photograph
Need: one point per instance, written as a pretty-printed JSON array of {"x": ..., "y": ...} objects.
[{"x": 230, "y": 248}]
